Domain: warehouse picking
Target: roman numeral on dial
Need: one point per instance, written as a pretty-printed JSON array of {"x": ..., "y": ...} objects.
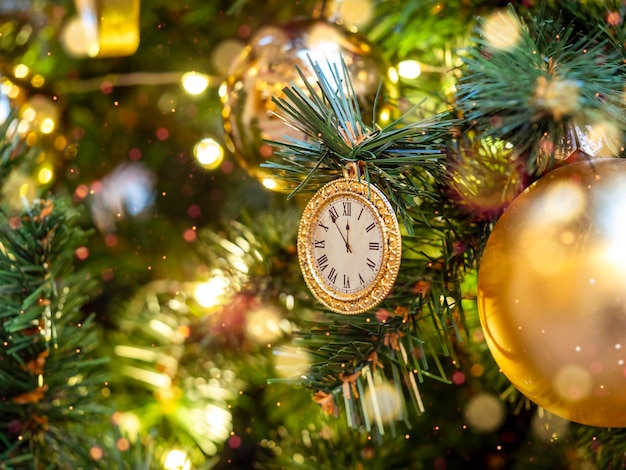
[
  {"x": 347, "y": 208},
  {"x": 334, "y": 215},
  {"x": 322, "y": 262}
]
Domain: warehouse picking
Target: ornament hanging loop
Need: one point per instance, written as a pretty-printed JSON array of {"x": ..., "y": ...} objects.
[{"x": 354, "y": 169}]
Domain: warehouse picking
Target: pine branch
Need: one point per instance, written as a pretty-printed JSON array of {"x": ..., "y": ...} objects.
[
  {"x": 403, "y": 342},
  {"x": 552, "y": 79},
  {"x": 13, "y": 149},
  {"x": 48, "y": 377},
  {"x": 399, "y": 159}
]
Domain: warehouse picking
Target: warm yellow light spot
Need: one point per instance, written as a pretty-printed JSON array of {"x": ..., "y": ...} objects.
[
  {"x": 7, "y": 86},
  {"x": 209, "y": 153},
  {"x": 222, "y": 91},
  {"x": 21, "y": 71},
  {"x": 38, "y": 81},
  {"x": 290, "y": 361},
  {"x": 60, "y": 142},
  {"x": 409, "y": 69},
  {"x": 355, "y": 12},
  {"x": 129, "y": 424},
  {"x": 10, "y": 89},
  {"x": 176, "y": 460},
  {"x": 209, "y": 294},
  {"x": 45, "y": 175},
  {"x": 263, "y": 325},
  {"x": 502, "y": 31},
  {"x": 195, "y": 83},
  {"x": 24, "y": 189},
  {"x": 47, "y": 125},
  {"x": 29, "y": 114},
  {"x": 269, "y": 183},
  {"x": 392, "y": 73},
  {"x": 31, "y": 137},
  {"x": 384, "y": 115},
  {"x": 78, "y": 38}
]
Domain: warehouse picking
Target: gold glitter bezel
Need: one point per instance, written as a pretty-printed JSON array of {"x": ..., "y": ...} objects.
[{"x": 385, "y": 218}]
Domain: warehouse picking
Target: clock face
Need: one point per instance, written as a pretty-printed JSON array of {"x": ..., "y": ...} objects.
[{"x": 349, "y": 246}]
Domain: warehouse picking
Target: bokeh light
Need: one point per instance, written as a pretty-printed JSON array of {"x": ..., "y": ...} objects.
[
  {"x": 176, "y": 460},
  {"x": 209, "y": 153},
  {"x": 77, "y": 39},
  {"x": 195, "y": 83},
  {"x": 409, "y": 69},
  {"x": 263, "y": 325},
  {"x": 548, "y": 427},
  {"x": 40, "y": 113},
  {"x": 269, "y": 183},
  {"x": 484, "y": 412},
  {"x": 355, "y": 13},
  {"x": 223, "y": 54},
  {"x": 290, "y": 361},
  {"x": 384, "y": 401},
  {"x": 502, "y": 31},
  {"x": 129, "y": 424},
  {"x": 211, "y": 293},
  {"x": 21, "y": 71}
]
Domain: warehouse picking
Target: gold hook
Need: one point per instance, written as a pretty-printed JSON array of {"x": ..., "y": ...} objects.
[{"x": 354, "y": 169}]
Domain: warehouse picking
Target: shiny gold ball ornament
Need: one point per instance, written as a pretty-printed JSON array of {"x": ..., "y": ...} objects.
[
  {"x": 268, "y": 64},
  {"x": 552, "y": 292}
]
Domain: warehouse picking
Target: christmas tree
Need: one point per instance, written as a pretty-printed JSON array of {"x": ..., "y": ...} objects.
[{"x": 171, "y": 298}]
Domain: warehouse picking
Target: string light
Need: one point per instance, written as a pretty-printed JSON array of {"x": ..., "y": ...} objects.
[
  {"x": 195, "y": 83},
  {"x": 45, "y": 175},
  {"x": 209, "y": 294},
  {"x": 176, "y": 460},
  {"x": 21, "y": 71},
  {"x": 209, "y": 153},
  {"x": 269, "y": 183},
  {"x": 409, "y": 69}
]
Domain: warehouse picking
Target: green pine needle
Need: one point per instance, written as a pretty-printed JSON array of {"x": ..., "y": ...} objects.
[
  {"x": 399, "y": 159},
  {"x": 542, "y": 86}
]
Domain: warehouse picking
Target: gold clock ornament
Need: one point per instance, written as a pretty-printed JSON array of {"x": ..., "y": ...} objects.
[{"x": 349, "y": 245}]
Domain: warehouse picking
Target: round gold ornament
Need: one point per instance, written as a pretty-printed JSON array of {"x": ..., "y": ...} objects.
[
  {"x": 268, "y": 64},
  {"x": 552, "y": 292},
  {"x": 485, "y": 175},
  {"x": 349, "y": 246}
]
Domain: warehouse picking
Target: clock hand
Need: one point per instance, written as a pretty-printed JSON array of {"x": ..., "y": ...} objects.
[
  {"x": 348, "y": 237},
  {"x": 334, "y": 221}
]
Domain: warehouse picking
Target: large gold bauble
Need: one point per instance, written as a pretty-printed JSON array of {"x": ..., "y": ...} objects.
[
  {"x": 552, "y": 292},
  {"x": 268, "y": 64}
]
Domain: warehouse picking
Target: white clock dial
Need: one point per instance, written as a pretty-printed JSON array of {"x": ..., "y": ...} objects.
[{"x": 347, "y": 245}]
